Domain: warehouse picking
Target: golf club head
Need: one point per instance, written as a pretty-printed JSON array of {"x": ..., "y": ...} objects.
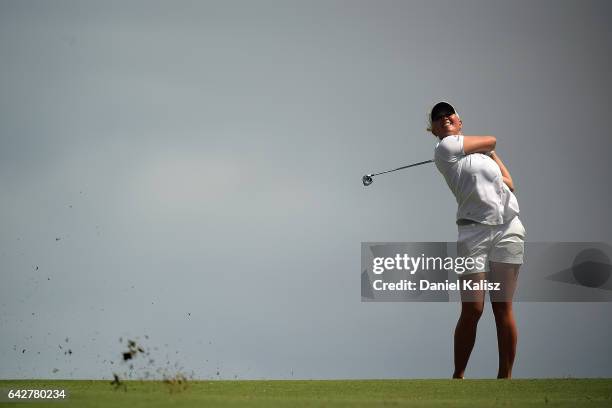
[{"x": 367, "y": 180}]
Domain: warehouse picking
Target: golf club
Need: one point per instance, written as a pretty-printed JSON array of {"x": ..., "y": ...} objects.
[{"x": 367, "y": 179}]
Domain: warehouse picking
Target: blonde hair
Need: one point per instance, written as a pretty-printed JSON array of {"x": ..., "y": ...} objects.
[{"x": 428, "y": 121}]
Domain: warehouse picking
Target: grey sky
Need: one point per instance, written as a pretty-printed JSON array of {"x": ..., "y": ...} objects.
[{"x": 206, "y": 157}]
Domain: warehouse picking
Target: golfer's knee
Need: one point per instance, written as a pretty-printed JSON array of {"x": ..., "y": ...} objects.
[
  {"x": 472, "y": 311},
  {"x": 502, "y": 310}
]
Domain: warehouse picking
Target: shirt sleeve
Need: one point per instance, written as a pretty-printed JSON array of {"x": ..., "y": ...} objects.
[{"x": 450, "y": 149}]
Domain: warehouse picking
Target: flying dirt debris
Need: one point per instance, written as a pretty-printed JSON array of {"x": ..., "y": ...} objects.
[
  {"x": 133, "y": 349},
  {"x": 117, "y": 383},
  {"x": 174, "y": 379},
  {"x": 176, "y": 383}
]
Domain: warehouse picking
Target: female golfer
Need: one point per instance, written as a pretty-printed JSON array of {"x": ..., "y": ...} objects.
[{"x": 489, "y": 228}]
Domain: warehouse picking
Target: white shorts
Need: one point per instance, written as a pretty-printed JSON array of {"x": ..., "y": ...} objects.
[{"x": 494, "y": 243}]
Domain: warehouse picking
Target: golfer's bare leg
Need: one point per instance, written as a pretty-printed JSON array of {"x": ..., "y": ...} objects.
[
  {"x": 501, "y": 302},
  {"x": 472, "y": 305}
]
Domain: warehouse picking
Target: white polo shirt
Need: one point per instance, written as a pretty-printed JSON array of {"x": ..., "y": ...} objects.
[{"x": 477, "y": 183}]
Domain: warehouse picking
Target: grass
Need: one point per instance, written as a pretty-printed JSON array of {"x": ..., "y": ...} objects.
[{"x": 322, "y": 393}]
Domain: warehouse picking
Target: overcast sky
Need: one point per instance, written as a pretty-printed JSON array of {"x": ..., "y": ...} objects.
[{"x": 191, "y": 172}]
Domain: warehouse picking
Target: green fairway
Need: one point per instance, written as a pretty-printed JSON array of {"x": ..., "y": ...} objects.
[{"x": 362, "y": 393}]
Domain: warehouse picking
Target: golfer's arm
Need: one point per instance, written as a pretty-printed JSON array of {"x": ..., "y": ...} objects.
[
  {"x": 478, "y": 144},
  {"x": 504, "y": 171}
]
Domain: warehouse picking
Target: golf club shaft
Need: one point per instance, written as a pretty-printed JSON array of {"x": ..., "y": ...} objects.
[{"x": 403, "y": 167}]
